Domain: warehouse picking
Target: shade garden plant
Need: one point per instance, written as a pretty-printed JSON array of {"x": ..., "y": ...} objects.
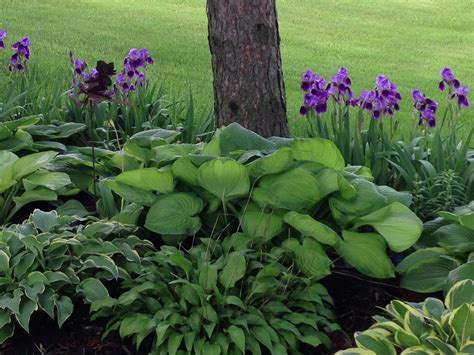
[{"x": 181, "y": 238}]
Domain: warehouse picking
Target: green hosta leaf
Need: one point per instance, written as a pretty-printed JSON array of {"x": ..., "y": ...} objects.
[
  {"x": 467, "y": 220},
  {"x": 38, "y": 194},
  {"x": 375, "y": 342},
  {"x": 367, "y": 253},
  {"x": 310, "y": 257},
  {"x": 226, "y": 179},
  {"x": 234, "y": 137},
  {"x": 443, "y": 347},
  {"x": 366, "y": 200},
  {"x": 419, "y": 255},
  {"x": 149, "y": 179},
  {"x": 463, "y": 272},
  {"x": 50, "y": 180},
  {"x": 237, "y": 335},
  {"x": 65, "y": 308},
  {"x": 12, "y": 302},
  {"x": 399, "y": 226},
  {"x": 233, "y": 271},
  {"x": 462, "y": 292},
  {"x": 462, "y": 322},
  {"x": 93, "y": 290},
  {"x": 4, "y": 262},
  {"x": 137, "y": 323},
  {"x": 318, "y": 150},
  {"x": 208, "y": 276},
  {"x": 129, "y": 214},
  {"x": 428, "y": 275},
  {"x": 455, "y": 238},
  {"x": 6, "y": 332},
  {"x": 261, "y": 334},
  {"x": 45, "y": 221},
  {"x": 104, "y": 262},
  {"x": 295, "y": 190},
  {"x": 30, "y": 163},
  {"x": 257, "y": 223},
  {"x": 468, "y": 348},
  {"x": 175, "y": 214},
  {"x": 433, "y": 308},
  {"x": 405, "y": 339},
  {"x": 131, "y": 193},
  {"x": 392, "y": 195},
  {"x": 185, "y": 170},
  {"x": 309, "y": 227},
  {"x": 274, "y": 163},
  {"x": 171, "y": 152},
  {"x": 416, "y": 324},
  {"x": 27, "y": 307},
  {"x": 174, "y": 341}
]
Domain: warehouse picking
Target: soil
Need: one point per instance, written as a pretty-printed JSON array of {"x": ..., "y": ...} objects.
[{"x": 358, "y": 298}]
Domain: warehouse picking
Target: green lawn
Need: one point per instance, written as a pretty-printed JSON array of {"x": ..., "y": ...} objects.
[{"x": 408, "y": 40}]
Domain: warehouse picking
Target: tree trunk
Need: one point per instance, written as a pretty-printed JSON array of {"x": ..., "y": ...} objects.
[{"x": 246, "y": 63}]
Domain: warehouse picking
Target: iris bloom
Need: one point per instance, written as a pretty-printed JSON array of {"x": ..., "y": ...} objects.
[
  {"x": 383, "y": 100},
  {"x": 453, "y": 86},
  {"x": 3, "y": 35},
  {"x": 425, "y": 108},
  {"x": 19, "y": 59},
  {"x": 316, "y": 93},
  {"x": 133, "y": 74},
  {"x": 340, "y": 87}
]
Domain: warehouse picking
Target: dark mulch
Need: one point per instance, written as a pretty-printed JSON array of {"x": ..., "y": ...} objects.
[
  {"x": 357, "y": 299},
  {"x": 77, "y": 336}
]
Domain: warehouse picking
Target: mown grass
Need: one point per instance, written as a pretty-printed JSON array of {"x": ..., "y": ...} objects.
[{"x": 407, "y": 40}]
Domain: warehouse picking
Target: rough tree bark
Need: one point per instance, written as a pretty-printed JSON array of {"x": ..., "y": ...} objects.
[{"x": 246, "y": 63}]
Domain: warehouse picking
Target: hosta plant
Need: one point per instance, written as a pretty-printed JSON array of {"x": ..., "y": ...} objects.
[
  {"x": 27, "y": 179},
  {"x": 50, "y": 261},
  {"x": 444, "y": 255},
  {"x": 220, "y": 298},
  {"x": 271, "y": 189},
  {"x": 428, "y": 328}
]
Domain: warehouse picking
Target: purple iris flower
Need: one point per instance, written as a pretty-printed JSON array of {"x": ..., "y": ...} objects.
[
  {"x": 448, "y": 79},
  {"x": 460, "y": 94},
  {"x": 19, "y": 59},
  {"x": 425, "y": 108},
  {"x": 3, "y": 35},
  {"x": 133, "y": 74},
  {"x": 453, "y": 86},
  {"x": 316, "y": 93},
  {"x": 383, "y": 100},
  {"x": 80, "y": 66},
  {"x": 340, "y": 86}
]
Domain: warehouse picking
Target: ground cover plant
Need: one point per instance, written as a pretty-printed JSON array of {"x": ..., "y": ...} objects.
[
  {"x": 220, "y": 298},
  {"x": 443, "y": 254},
  {"x": 52, "y": 261},
  {"x": 430, "y": 327}
]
